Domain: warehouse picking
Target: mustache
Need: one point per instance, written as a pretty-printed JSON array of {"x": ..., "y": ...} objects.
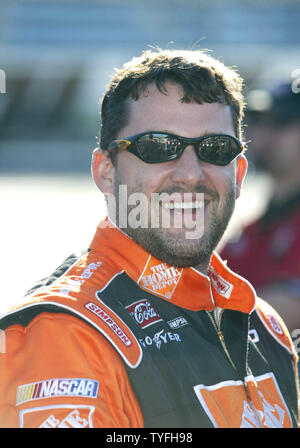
[{"x": 211, "y": 194}]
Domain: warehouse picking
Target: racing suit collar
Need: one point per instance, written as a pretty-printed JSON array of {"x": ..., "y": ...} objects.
[{"x": 185, "y": 287}]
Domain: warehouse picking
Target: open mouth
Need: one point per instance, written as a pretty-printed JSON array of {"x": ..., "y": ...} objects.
[
  {"x": 192, "y": 205},
  {"x": 183, "y": 215}
]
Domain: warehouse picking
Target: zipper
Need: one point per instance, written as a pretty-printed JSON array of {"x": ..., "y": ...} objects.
[
  {"x": 217, "y": 327},
  {"x": 252, "y": 406}
]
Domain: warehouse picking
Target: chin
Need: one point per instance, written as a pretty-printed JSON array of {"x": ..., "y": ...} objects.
[{"x": 174, "y": 248}]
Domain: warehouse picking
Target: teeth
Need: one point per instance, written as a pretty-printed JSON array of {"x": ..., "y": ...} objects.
[{"x": 183, "y": 205}]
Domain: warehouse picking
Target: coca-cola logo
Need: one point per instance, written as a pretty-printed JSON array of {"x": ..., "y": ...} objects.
[{"x": 143, "y": 313}]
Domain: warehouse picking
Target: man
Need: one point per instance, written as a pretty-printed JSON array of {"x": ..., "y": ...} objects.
[
  {"x": 149, "y": 328},
  {"x": 273, "y": 241}
]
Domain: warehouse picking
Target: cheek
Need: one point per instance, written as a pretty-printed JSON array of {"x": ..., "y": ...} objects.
[
  {"x": 138, "y": 176},
  {"x": 222, "y": 179},
  {"x": 127, "y": 169}
]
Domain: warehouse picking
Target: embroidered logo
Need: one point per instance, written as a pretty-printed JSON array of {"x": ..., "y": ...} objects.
[
  {"x": 222, "y": 286},
  {"x": 143, "y": 313},
  {"x": 74, "y": 283},
  {"x": 228, "y": 406},
  {"x": 109, "y": 321},
  {"x": 58, "y": 416},
  {"x": 160, "y": 338},
  {"x": 57, "y": 387},
  {"x": 177, "y": 322},
  {"x": 269, "y": 417},
  {"x": 275, "y": 324},
  {"x": 73, "y": 420},
  {"x": 161, "y": 279}
]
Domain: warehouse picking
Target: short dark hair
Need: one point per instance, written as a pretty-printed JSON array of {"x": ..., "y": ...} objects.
[{"x": 203, "y": 79}]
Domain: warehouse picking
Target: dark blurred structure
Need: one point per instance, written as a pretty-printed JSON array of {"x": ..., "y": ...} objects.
[
  {"x": 58, "y": 54},
  {"x": 268, "y": 251}
]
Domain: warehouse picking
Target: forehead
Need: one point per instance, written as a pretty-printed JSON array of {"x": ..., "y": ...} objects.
[{"x": 166, "y": 112}]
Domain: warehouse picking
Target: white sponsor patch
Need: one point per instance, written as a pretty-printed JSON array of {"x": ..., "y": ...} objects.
[
  {"x": 57, "y": 387},
  {"x": 109, "y": 321},
  {"x": 177, "y": 322},
  {"x": 275, "y": 324},
  {"x": 222, "y": 286}
]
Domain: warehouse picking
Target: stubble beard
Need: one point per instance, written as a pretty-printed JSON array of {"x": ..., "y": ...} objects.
[{"x": 164, "y": 245}]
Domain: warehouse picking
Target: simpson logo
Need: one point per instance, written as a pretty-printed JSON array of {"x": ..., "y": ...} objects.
[
  {"x": 143, "y": 313},
  {"x": 160, "y": 278},
  {"x": 177, "y": 322},
  {"x": 223, "y": 287},
  {"x": 58, "y": 387},
  {"x": 96, "y": 309}
]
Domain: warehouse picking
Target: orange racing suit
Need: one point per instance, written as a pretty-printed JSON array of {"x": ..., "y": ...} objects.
[{"x": 116, "y": 338}]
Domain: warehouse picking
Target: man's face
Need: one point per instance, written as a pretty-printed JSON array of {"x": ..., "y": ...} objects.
[{"x": 155, "y": 111}]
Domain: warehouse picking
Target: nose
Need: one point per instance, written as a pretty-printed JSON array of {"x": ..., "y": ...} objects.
[{"x": 188, "y": 170}]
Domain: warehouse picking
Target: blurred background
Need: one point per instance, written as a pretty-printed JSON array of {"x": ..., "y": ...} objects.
[{"x": 57, "y": 57}]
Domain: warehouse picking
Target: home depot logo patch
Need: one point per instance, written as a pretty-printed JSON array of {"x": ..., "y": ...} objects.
[
  {"x": 222, "y": 286},
  {"x": 74, "y": 419},
  {"x": 160, "y": 279},
  {"x": 58, "y": 416},
  {"x": 227, "y": 404},
  {"x": 143, "y": 313}
]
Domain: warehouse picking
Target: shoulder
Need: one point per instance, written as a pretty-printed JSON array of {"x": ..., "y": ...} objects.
[
  {"x": 57, "y": 364},
  {"x": 274, "y": 324},
  {"x": 63, "y": 337},
  {"x": 73, "y": 294},
  {"x": 75, "y": 272}
]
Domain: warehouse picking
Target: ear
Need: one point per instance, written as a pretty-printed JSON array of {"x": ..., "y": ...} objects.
[
  {"x": 242, "y": 166},
  {"x": 102, "y": 171}
]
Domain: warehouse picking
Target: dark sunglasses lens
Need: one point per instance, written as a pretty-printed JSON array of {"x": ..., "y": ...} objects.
[
  {"x": 155, "y": 148},
  {"x": 219, "y": 149}
]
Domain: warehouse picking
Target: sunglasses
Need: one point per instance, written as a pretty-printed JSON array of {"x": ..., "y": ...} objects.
[{"x": 157, "y": 147}]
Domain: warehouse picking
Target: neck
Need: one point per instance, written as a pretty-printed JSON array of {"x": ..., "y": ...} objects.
[{"x": 203, "y": 268}]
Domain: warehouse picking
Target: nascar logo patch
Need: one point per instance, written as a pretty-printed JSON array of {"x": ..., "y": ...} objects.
[{"x": 57, "y": 387}]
